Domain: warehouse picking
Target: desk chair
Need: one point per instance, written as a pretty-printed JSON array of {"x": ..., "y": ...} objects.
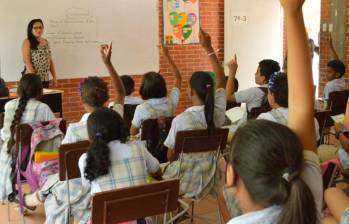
[
  {"x": 196, "y": 141},
  {"x": 127, "y": 204},
  {"x": 337, "y": 102},
  {"x": 256, "y": 111},
  {"x": 129, "y": 112}
]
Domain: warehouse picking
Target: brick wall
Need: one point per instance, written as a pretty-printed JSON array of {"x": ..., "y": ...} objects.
[
  {"x": 189, "y": 58},
  {"x": 324, "y": 43}
]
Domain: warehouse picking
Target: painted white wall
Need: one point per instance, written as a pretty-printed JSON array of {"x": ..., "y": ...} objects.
[
  {"x": 132, "y": 25},
  {"x": 254, "y": 31}
]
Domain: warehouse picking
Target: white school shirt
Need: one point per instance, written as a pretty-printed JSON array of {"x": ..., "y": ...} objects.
[
  {"x": 42, "y": 113},
  {"x": 343, "y": 158},
  {"x": 71, "y": 135},
  {"x": 160, "y": 105},
  {"x": 130, "y": 100},
  {"x": 311, "y": 175},
  {"x": 334, "y": 86},
  {"x": 118, "y": 151},
  {"x": 253, "y": 97},
  {"x": 284, "y": 111},
  {"x": 180, "y": 123}
]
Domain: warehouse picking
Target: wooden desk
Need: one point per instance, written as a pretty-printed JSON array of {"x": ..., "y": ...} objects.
[{"x": 52, "y": 97}]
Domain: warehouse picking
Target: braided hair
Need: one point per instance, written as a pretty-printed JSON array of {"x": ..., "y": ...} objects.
[{"x": 30, "y": 87}]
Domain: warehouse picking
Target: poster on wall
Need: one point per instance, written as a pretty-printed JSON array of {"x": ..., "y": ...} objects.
[{"x": 181, "y": 21}]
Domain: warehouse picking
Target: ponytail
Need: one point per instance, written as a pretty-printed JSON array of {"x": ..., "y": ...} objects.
[
  {"x": 98, "y": 159},
  {"x": 299, "y": 207},
  {"x": 209, "y": 109},
  {"x": 23, "y": 101},
  {"x": 202, "y": 84}
]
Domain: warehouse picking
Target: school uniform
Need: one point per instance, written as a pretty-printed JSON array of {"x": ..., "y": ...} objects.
[
  {"x": 253, "y": 97},
  {"x": 334, "y": 86},
  {"x": 77, "y": 132},
  {"x": 34, "y": 111},
  {"x": 129, "y": 100},
  {"x": 131, "y": 163},
  {"x": 345, "y": 217},
  {"x": 155, "y": 108},
  {"x": 280, "y": 115},
  {"x": 311, "y": 175},
  {"x": 196, "y": 181}
]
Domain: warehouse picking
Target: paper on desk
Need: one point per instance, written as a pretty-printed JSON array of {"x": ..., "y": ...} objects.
[
  {"x": 338, "y": 118},
  {"x": 235, "y": 114},
  {"x": 48, "y": 90}
]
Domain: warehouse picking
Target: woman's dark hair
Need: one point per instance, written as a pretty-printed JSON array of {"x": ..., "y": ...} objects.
[
  {"x": 337, "y": 66},
  {"x": 268, "y": 67},
  {"x": 129, "y": 84},
  {"x": 29, "y": 87},
  {"x": 103, "y": 125},
  {"x": 94, "y": 92},
  {"x": 202, "y": 83},
  {"x": 268, "y": 158},
  {"x": 279, "y": 88},
  {"x": 34, "y": 43},
  {"x": 153, "y": 86}
]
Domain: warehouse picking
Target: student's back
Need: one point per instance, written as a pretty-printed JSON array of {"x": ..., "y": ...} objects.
[{"x": 24, "y": 109}]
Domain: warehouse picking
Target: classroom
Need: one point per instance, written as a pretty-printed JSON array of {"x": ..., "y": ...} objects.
[{"x": 174, "y": 111}]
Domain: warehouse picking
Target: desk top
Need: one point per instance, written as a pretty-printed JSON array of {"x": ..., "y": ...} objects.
[{"x": 46, "y": 92}]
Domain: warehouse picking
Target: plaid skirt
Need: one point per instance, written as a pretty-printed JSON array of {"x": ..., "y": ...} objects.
[
  {"x": 199, "y": 174},
  {"x": 232, "y": 203},
  {"x": 5, "y": 174},
  {"x": 345, "y": 217},
  {"x": 56, "y": 200}
]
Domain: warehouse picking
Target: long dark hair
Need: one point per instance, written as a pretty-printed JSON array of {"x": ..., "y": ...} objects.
[
  {"x": 30, "y": 86},
  {"x": 104, "y": 125},
  {"x": 202, "y": 83},
  {"x": 34, "y": 43},
  {"x": 268, "y": 158},
  {"x": 94, "y": 92}
]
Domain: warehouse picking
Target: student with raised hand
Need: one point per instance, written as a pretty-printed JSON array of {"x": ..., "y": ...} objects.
[
  {"x": 94, "y": 94},
  {"x": 26, "y": 108},
  {"x": 207, "y": 112},
  {"x": 154, "y": 93},
  {"x": 335, "y": 72},
  {"x": 284, "y": 185},
  {"x": 255, "y": 96}
]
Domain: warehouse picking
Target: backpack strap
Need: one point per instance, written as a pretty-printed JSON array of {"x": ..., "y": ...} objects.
[{"x": 279, "y": 117}]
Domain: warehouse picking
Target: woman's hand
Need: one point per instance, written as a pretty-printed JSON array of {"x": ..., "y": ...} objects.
[
  {"x": 233, "y": 65},
  {"x": 106, "y": 51},
  {"x": 292, "y": 6},
  {"x": 205, "y": 40}
]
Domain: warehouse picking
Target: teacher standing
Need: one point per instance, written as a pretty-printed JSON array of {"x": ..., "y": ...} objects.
[{"x": 37, "y": 54}]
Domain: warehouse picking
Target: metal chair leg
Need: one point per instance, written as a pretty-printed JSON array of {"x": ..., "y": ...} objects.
[{"x": 192, "y": 212}]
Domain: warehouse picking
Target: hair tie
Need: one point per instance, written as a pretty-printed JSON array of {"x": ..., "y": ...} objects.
[
  {"x": 99, "y": 135},
  {"x": 289, "y": 177},
  {"x": 208, "y": 86}
]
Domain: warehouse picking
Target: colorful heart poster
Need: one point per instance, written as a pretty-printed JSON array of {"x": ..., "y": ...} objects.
[{"x": 181, "y": 21}]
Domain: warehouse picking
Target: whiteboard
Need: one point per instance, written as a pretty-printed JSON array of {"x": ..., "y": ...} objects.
[
  {"x": 75, "y": 29},
  {"x": 254, "y": 31}
]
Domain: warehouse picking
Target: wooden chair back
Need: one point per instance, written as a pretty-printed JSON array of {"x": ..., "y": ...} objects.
[
  {"x": 134, "y": 203},
  {"x": 69, "y": 155}
]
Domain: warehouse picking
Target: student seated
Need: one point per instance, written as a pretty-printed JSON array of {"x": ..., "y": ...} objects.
[
  {"x": 25, "y": 109},
  {"x": 129, "y": 85},
  {"x": 112, "y": 163},
  {"x": 255, "y": 96},
  {"x": 154, "y": 93},
  {"x": 278, "y": 101},
  {"x": 94, "y": 94},
  {"x": 338, "y": 204},
  {"x": 334, "y": 74},
  {"x": 284, "y": 185},
  {"x": 207, "y": 112}
]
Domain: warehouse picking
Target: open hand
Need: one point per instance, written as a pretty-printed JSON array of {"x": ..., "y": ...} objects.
[
  {"x": 292, "y": 6},
  {"x": 106, "y": 51},
  {"x": 164, "y": 50}
]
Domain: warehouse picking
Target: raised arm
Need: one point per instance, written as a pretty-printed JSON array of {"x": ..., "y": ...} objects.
[
  {"x": 233, "y": 67},
  {"x": 27, "y": 59},
  {"x": 205, "y": 41},
  {"x": 173, "y": 66},
  {"x": 106, "y": 52},
  {"x": 333, "y": 50},
  {"x": 301, "y": 96},
  {"x": 340, "y": 128}
]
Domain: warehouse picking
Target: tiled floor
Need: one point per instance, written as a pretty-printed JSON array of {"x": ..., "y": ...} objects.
[{"x": 206, "y": 212}]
